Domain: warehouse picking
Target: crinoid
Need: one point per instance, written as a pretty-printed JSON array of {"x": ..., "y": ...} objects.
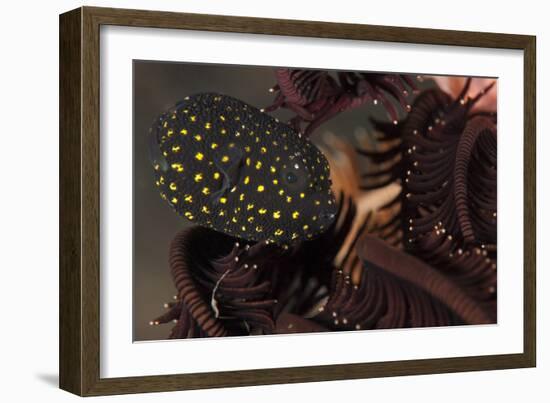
[
  {"x": 395, "y": 290},
  {"x": 227, "y": 287},
  {"x": 316, "y": 96},
  {"x": 222, "y": 290},
  {"x": 384, "y": 287},
  {"x": 444, "y": 157}
]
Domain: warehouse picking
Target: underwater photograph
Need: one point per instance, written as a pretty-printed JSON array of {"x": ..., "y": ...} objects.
[{"x": 276, "y": 200}]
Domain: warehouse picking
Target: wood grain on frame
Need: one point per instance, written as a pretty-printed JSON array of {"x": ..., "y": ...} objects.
[
  {"x": 70, "y": 315},
  {"x": 79, "y": 200}
]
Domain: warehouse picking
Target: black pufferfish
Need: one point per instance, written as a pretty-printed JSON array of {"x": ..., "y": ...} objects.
[{"x": 226, "y": 165}]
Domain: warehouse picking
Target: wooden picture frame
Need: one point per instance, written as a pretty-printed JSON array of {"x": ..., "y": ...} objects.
[{"x": 80, "y": 215}]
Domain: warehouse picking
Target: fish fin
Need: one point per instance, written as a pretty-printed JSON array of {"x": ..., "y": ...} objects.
[{"x": 231, "y": 170}]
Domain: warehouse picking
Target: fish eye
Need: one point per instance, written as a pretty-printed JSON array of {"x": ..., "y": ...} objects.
[{"x": 291, "y": 177}]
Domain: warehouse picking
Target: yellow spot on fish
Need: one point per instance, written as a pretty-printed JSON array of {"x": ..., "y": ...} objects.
[
  {"x": 161, "y": 180},
  {"x": 277, "y": 215},
  {"x": 267, "y": 132},
  {"x": 188, "y": 198},
  {"x": 260, "y": 188},
  {"x": 281, "y": 192},
  {"x": 225, "y": 158},
  {"x": 174, "y": 200},
  {"x": 246, "y": 180},
  {"x": 189, "y": 215},
  {"x": 169, "y": 132},
  {"x": 176, "y": 149},
  {"x": 205, "y": 210},
  {"x": 289, "y": 199},
  {"x": 275, "y": 181},
  {"x": 305, "y": 227},
  {"x": 250, "y": 219},
  {"x": 247, "y": 161},
  {"x": 273, "y": 169},
  {"x": 184, "y": 132},
  {"x": 247, "y": 149},
  {"x": 250, "y": 206},
  {"x": 259, "y": 228},
  {"x": 295, "y": 215},
  {"x": 241, "y": 197},
  {"x": 223, "y": 131},
  {"x": 173, "y": 186},
  {"x": 217, "y": 175},
  {"x": 294, "y": 235},
  {"x": 234, "y": 219},
  {"x": 262, "y": 211},
  {"x": 177, "y": 167},
  {"x": 223, "y": 200},
  {"x": 197, "y": 137},
  {"x": 208, "y": 125},
  {"x": 263, "y": 150},
  {"x": 213, "y": 146},
  {"x": 317, "y": 202},
  {"x": 221, "y": 213},
  {"x": 205, "y": 191},
  {"x": 243, "y": 228},
  {"x": 222, "y": 118},
  {"x": 279, "y": 232},
  {"x": 258, "y": 164},
  {"x": 193, "y": 118},
  {"x": 198, "y": 177},
  {"x": 302, "y": 195},
  {"x": 165, "y": 153},
  {"x": 199, "y": 156}
]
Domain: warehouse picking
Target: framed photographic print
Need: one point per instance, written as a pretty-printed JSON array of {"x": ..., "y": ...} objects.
[{"x": 249, "y": 201}]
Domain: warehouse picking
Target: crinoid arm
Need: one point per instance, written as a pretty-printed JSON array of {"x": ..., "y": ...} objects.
[{"x": 316, "y": 96}]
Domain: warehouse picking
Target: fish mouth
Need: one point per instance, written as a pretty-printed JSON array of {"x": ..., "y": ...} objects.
[
  {"x": 155, "y": 154},
  {"x": 327, "y": 216}
]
